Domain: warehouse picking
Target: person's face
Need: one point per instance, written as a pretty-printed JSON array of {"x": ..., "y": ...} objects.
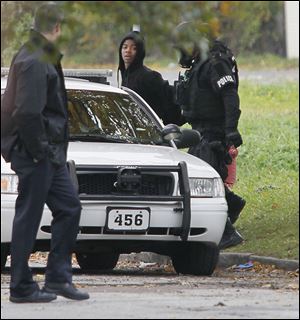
[
  {"x": 57, "y": 31},
  {"x": 128, "y": 52},
  {"x": 54, "y": 35}
]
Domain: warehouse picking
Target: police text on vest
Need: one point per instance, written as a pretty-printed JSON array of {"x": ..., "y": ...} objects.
[{"x": 224, "y": 80}]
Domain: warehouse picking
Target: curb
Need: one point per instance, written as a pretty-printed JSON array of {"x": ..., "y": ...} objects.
[
  {"x": 225, "y": 260},
  {"x": 230, "y": 258}
]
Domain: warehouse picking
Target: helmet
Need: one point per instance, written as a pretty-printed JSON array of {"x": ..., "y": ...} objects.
[{"x": 193, "y": 42}]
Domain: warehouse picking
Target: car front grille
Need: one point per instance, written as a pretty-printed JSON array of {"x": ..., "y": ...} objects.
[{"x": 105, "y": 184}]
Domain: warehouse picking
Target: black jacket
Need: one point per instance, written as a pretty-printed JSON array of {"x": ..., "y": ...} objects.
[
  {"x": 34, "y": 106},
  {"x": 149, "y": 84}
]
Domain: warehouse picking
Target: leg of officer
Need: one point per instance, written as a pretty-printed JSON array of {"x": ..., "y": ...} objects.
[
  {"x": 64, "y": 203},
  {"x": 65, "y": 206},
  {"x": 209, "y": 151},
  {"x": 34, "y": 183}
]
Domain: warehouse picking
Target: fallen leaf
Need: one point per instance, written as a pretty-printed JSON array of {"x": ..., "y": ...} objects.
[
  {"x": 293, "y": 286},
  {"x": 169, "y": 268},
  {"x": 220, "y": 304}
]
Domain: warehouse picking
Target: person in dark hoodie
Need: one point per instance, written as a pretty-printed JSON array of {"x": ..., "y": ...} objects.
[
  {"x": 148, "y": 83},
  {"x": 34, "y": 139}
]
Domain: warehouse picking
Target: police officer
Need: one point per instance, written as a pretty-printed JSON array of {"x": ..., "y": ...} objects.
[
  {"x": 208, "y": 95},
  {"x": 34, "y": 138}
]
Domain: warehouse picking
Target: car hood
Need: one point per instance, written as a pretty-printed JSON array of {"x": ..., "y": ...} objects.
[
  {"x": 119, "y": 154},
  {"x": 89, "y": 153}
]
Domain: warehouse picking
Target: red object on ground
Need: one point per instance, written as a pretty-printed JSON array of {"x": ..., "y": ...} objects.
[{"x": 231, "y": 178}]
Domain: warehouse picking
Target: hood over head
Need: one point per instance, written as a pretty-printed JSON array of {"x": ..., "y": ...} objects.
[{"x": 140, "y": 54}]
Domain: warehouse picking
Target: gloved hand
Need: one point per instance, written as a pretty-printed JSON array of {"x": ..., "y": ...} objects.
[{"x": 234, "y": 138}]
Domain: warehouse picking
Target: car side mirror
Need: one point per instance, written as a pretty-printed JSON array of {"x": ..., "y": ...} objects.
[
  {"x": 188, "y": 138},
  {"x": 171, "y": 132}
]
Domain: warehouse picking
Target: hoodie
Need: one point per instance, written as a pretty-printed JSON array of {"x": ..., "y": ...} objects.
[
  {"x": 148, "y": 83},
  {"x": 140, "y": 54}
]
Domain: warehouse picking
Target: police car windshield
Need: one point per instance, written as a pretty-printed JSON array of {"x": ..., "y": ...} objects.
[{"x": 109, "y": 117}]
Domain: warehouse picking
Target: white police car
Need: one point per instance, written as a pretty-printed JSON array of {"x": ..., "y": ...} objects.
[{"x": 138, "y": 191}]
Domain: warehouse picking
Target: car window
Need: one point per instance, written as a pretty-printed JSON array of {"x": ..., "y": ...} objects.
[{"x": 110, "y": 116}]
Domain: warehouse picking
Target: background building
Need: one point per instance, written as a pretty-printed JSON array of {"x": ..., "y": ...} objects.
[{"x": 292, "y": 28}]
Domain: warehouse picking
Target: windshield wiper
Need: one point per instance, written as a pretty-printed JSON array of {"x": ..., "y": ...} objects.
[{"x": 97, "y": 137}]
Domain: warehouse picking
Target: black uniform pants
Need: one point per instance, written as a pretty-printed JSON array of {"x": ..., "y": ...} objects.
[
  {"x": 212, "y": 149},
  {"x": 41, "y": 183}
]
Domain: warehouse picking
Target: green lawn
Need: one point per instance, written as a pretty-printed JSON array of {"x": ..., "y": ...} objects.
[
  {"x": 268, "y": 170},
  {"x": 265, "y": 61}
]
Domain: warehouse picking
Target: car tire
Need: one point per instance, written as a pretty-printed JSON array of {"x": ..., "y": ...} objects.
[
  {"x": 196, "y": 259},
  {"x": 4, "y": 254},
  {"x": 97, "y": 261}
]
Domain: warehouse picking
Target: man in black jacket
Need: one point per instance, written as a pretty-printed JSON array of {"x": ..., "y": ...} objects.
[
  {"x": 34, "y": 138},
  {"x": 148, "y": 83},
  {"x": 208, "y": 96}
]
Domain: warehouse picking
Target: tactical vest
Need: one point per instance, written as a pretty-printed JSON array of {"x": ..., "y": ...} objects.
[
  {"x": 194, "y": 91},
  {"x": 196, "y": 96}
]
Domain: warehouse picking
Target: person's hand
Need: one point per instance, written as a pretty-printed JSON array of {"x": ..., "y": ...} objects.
[{"x": 234, "y": 138}]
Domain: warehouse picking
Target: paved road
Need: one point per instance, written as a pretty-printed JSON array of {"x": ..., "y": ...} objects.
[{"x": 137, "y": 290}]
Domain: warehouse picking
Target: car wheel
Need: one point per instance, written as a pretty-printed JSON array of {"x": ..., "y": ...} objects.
[
  {"x": 4, "y": 254},
  {"x": 196, "y": 258},
  {"x": 97, "y": 261}
]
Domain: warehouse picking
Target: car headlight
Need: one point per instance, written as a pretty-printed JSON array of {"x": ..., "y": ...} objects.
[
  {"x": 9, "y": 183},
  {"x": 206, "y": 187}
]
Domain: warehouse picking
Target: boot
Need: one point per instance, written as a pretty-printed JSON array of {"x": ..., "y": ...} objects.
[
  {"x": 235, "y": 205},
  {"x": 230, "y": 237}
]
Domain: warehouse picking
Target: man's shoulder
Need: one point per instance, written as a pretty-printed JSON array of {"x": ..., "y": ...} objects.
[
  {"x": 27, "y": 55},
  {"x": 28, "y": 63},
  {"x": 219, "y": 64},
  {"x": 152, "y": 75},
  {"x": 221, "y": 60},
  {"x": 150, "y": 72},
  {"x": 200, "y": 69}
]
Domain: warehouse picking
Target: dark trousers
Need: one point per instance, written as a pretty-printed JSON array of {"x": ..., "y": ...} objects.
[
  {"x": 212, "y": 149},
  {"x": 41, "y": 183}
]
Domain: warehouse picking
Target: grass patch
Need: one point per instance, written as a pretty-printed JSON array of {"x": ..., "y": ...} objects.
[
  {"x": 268, "y": 170},
  {"x": 266, "y": 61}
]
